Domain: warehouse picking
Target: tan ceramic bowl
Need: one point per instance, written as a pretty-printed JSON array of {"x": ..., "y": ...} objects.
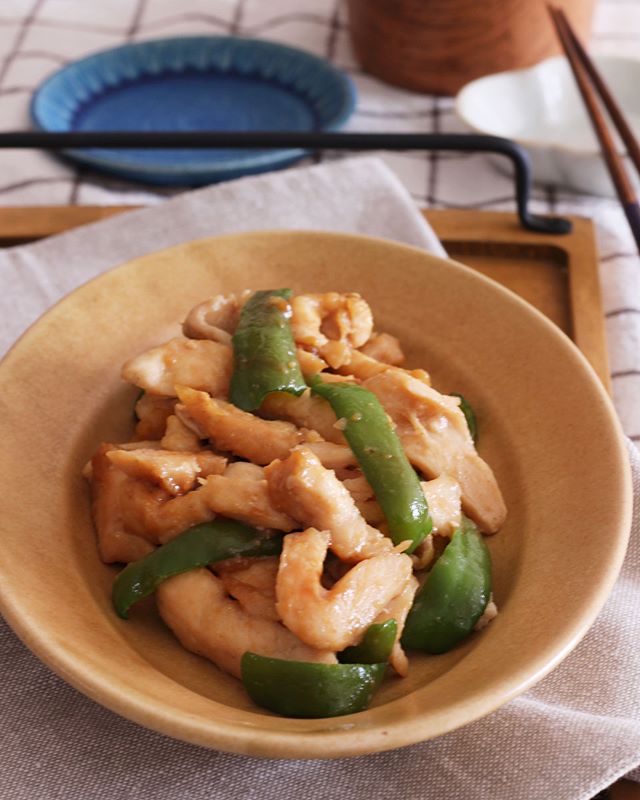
[{"x": 547, "y": 429}]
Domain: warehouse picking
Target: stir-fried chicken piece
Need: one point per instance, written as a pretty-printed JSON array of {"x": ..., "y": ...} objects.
[
  {"x": 306, "y": 411},
  {"x": 149, "y": 510},
  {"x": 398, "y": 608},
  {"x": 443, "y": 499},
  {"x": 146, "y": 508},
  {"x": 133, "y": 516},
  {"x": 175, "y": 472},
  {"x": 361, "y": 366},
  {"x": 245, "y": 499},
  {"x": 108, "y": 486},
  {"x": 178, "y": 437},
  {"x": 337, "y": 457},
  {"x": 384, "y": 347},
  {"x": 215, "y": 318},
  {"x": 313, "y": 495},
  {"x": 336, "y": 354},
  {"x": 310, "y": 363},
  {"x": 208, "y": 622},
  {"x": 318, "y": 318},
  {"x": 363, "y": 496},
  {"x": 244, "y": 470},
  {"x": 253, "y": 585},
  {"x": 152, "y": 412},
  {"x": 489, "y": 614},
  {"x": 236, "y": 431},
  {"x": 335, "y": 618},
  {"x": 442, "y": 494},
  {"x": 435, "y": 437},
  {"x": 197, "y": 363}
]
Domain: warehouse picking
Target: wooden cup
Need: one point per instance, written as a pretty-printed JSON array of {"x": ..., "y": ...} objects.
[{"x": 437, "y": 46}]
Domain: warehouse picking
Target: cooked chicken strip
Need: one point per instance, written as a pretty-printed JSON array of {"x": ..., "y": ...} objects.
[
  {"x": 317, "y": 318},
  {"x": 442, "y": 494},
  {"x": 335, "y": 353},
  {"x": 398, "y": 608},
  {"x": 435, "y": 437},
  {"x": 132, "y": 516},
  {"x": 215, "y": 318},
  {"x": 208, "y": 622},
  {"x": 178, "y": 437},
  {"x": 337, "y": 457},
  {"x": 246, "y": 500},
  {"x": 108, "y": 484},
  {"x": 244, "y": 470},
  {"x": 361, "y": 366},
  {"x": 363, "y": 496},
  {"x": 148, "y": 510},
  {"x": 306, "y": 411},
  {"x": 152, "y": 412},
  {"x": 384, "y": 347},
  {"x": 332, "y": 619},
  {"x": 197, "y": 363},
  {"x": 310, "y": 363},
  {"x": 443, "y": 499},
  {"x": 311, "y": 494},
  {"x": 236, "y": 431},
  {"x": 175, "y": 472},
  {"x": 253, "y": 585}
]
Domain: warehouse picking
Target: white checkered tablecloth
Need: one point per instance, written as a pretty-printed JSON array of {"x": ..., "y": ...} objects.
[{"x": 38, "y": 36}]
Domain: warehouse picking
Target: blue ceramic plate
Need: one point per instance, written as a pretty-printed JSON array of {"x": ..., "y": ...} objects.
[{"x": 204, "y": 83}]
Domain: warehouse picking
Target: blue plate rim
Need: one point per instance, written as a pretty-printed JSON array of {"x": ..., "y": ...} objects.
[{"x": 105, "y": 160}]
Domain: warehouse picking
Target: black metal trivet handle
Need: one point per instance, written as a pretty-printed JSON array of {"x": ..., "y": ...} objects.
[{"x": 321, "y": 140}]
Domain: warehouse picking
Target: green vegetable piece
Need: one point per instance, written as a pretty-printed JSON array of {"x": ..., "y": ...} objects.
[
  {"x": 264, "y": 353},
  {"x": 375, "y": 647},
  {"x": 454, "y": 595},
  {"x": 469, "y": 415},
  {"x": 196, "y": 547},
  {"x": 303, "y": 689},
  {"x": 382, "y": 459}
]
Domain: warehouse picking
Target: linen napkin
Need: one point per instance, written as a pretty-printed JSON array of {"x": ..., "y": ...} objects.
[{"x": 567, "y": 738}]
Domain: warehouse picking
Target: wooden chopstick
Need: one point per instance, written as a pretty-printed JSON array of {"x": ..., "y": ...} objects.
[
  {"x": 615, "y": 112},
  {"x": 584, "y": 71}
]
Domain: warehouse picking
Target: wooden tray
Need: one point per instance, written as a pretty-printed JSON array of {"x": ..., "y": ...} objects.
[{"x": 557, "y": 274}]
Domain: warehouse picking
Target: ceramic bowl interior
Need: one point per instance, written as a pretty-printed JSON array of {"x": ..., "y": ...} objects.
[
  {"x": 541, "y": 108},
  {"x": 546, "y": 427}
]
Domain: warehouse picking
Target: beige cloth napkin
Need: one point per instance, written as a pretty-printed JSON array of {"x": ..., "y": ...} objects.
[{"x": 569, "y": 737}]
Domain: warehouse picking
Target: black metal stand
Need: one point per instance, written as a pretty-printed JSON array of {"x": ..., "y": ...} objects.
[{"x": 311, "y": 141}]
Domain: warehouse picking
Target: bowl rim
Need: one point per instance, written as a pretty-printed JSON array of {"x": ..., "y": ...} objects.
[
  {"x": 460, "y": 101},
  {"x": 331, "y": 741}
]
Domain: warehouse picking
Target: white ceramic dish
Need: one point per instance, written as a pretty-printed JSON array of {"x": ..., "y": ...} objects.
[{"x": 541, "y": 108}]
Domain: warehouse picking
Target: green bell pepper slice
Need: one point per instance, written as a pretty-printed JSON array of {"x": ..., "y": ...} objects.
[
  {"x": 307, "y": 690},
  {"x": 264, "y": 353},
  {"x": 197, "y": 547},
  {"x": 380, "y": 455},
  {"x": 469, "y": 415},
  {"x": 375, "y": 647},
  {"x": 454, "y": 596}
]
